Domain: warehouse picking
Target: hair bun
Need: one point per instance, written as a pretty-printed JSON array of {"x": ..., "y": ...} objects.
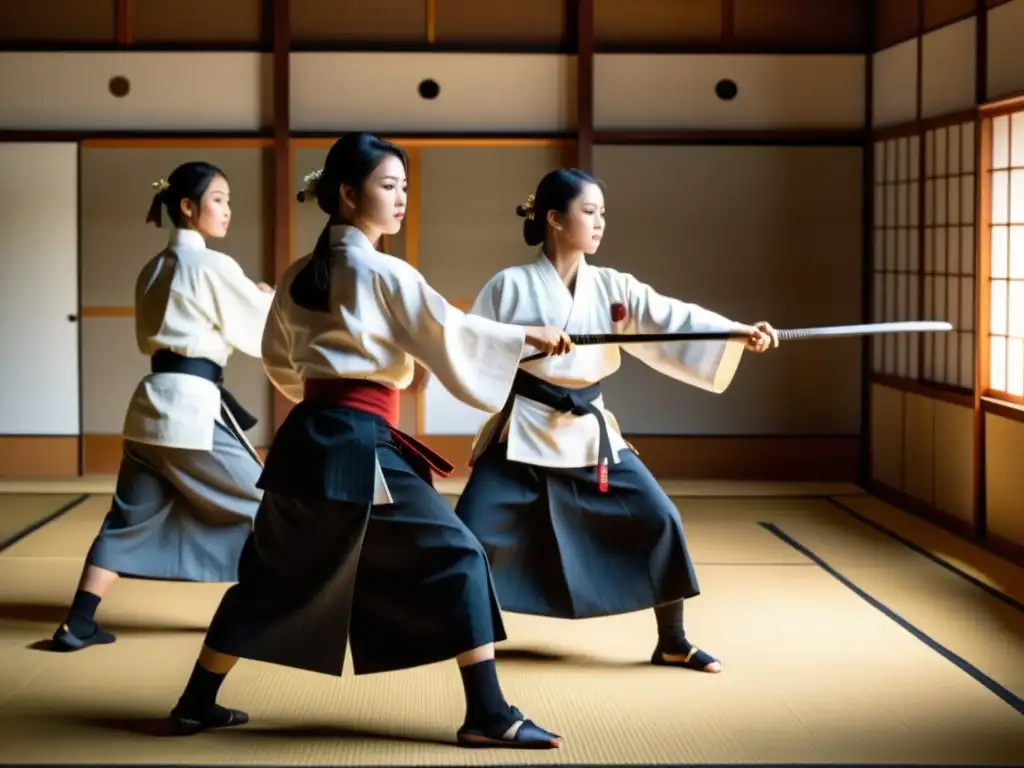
[{"x": 521, "y": 211}]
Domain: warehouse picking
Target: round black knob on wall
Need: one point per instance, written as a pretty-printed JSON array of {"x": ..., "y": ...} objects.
[
  {"x": 119, "y": 86},
  {"x": 429, "y": 89},
  {"x": 726, "y": 89}
]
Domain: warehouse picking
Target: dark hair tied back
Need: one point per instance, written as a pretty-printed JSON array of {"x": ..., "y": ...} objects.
[
  {"x": 349, "y": 163},
  {"x": 555, "y": 192},
  {"x": 189, "y": 181}
]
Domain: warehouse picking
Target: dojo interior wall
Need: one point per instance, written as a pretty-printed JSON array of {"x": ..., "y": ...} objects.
[
  {"x": 941, "y": 439},
  {"x": 796, "y": 126},
  {"x": 115, "y": 242},
  {"x": 783, "y": 206}
]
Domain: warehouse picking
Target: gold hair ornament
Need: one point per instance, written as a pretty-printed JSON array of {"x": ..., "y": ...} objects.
[
  {"x": 309, "y": 182},
  {"x": 528, "y": 207},
  {"x": 155, "y": 215}
]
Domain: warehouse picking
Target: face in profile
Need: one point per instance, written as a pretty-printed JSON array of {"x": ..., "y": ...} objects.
[
  {"x": 381, "y": 205},
  {"x": 582, "y": 226},
  {"x": 214, "y": 214}
]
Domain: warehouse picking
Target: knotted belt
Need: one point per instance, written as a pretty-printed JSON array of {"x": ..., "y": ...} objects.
[
  {"x": 166, "y": 361},
  {"x": 579, "y": 402}
]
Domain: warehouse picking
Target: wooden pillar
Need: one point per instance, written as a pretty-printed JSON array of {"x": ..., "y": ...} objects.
[
  {"x": 867, "y": 242},
  {"x": 281, "y": 253},
  {"x": 123, "y": 23},
  {"x": 982, "y": 318},
  {"x": 579, "y": 24}
]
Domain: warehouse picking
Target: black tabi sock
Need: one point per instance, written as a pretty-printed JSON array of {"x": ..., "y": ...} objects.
[
  {"x": 80, "y": 617},
  {"x": 671, "y": 635},
  {"x": 485, "y": 703},
  {"x": 199, "y": 700}
]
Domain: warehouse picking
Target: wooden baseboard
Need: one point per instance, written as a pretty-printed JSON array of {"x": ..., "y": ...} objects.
[
  {"x": 1008, "y": 550},
  {"x": 43, "y": 457},
  {"x": 101, "y": 454},
  {"x": 712, "y": 457},
  {"x": 918, "y": 508},
  {"x": 715, "y": 457}
]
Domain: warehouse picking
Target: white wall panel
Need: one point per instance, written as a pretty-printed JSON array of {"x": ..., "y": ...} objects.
[
  {"x": 338, "y": 92},
  {"x": 894, "y": 85},
  {"x": 38, "y": 289},
  {"x": 948, "y": 68},
  {"x": 1005, "y": 58},
  {"x": 169, "y": 91},
  {"x": 444, "y": 415},
  {"x": 664, "y": 92}
]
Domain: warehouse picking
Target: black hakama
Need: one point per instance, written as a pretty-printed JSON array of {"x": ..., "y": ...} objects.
[
  {"x": 558, "y": 546},
  {"x": 405, "y": 583}
]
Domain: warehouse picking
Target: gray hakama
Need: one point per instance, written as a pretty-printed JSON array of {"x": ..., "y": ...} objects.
[
  {"x": 180, "y": 514},
  {"x": 560, "y": 547},
  {"x": 405, "y": 583}
]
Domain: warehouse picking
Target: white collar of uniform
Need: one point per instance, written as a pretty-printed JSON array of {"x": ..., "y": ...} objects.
[
  {"x": 186, "y": 237},
  {"x": 349, "y": 235},
  {"x": 549, "y": 271}
]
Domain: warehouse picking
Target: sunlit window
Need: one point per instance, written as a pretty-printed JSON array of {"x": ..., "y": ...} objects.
[
  {"x": 897, "y": 265},
  {"x": 948, "y": 287},
  {"x": 1006, "y": 277}
]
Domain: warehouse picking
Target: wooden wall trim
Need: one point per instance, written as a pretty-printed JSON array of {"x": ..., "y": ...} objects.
[
  {"x": 1001, "y": 408},
  {"x": 175, "y": 142},
  {"x": 982, "y": 319},
  {"x": 933, "y": 390},
  {"x": 409, "y": 142},
  {"x": 920, "y": 60},
  {"x": 669, "y": 457},
  {"x": 808, "y": 136},
  {"x": 721, "y": 457},
  {"x": 101, "y": 455},
  {"x": 44, "y": 457},
  {"x": 107, "y": 311},
  {"x": 1003, "y": 106},
  {"x": 728, "y": 33},
  {"x": 281, "y": 254},
  {"x": 1008, "y": 550},
  {"x": 585, "y": 85},
  {"x": 431, "y": 22},
  {"x": 867, "y": 241},
  {"x": 123, "y": 23},
  {"x": 921, "y": 126},
  {"x": 765, "y": 137},
  {"x": 924, "y": 29},
  {"x": 980, "y": 52}
]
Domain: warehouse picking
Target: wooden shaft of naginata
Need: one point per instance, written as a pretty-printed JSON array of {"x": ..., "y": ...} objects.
[{"x": 795, "y": 334}]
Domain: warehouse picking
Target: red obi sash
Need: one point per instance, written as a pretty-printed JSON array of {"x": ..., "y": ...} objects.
[{"x": 376, "y": 400}]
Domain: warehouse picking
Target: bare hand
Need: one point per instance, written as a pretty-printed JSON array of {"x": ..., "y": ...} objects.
[
  {"x": 762, "y": 338},
  {"x": 265, "y": 288},
  {"x": 548, "y": 339}
]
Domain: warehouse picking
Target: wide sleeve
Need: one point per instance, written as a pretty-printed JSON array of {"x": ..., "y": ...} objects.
[
  {"x": 709, "y": 365},
  {"x": 276, "y": 354},
  {"x": 488, "y": 301},
  {"x": 240, "y": 308},
  {"x": 473, "y": 357}
]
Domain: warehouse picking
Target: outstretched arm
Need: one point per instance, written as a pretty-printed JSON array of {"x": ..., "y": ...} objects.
[
  {"x": 709, "y": 365},
  {"x": 475, "y": 358}
]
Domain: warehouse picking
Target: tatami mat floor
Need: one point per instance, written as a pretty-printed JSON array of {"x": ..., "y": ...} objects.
[{"x": 850, "y": 633}]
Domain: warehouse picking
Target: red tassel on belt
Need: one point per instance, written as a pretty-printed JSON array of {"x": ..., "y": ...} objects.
[{"x": 376, "y": 400}]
